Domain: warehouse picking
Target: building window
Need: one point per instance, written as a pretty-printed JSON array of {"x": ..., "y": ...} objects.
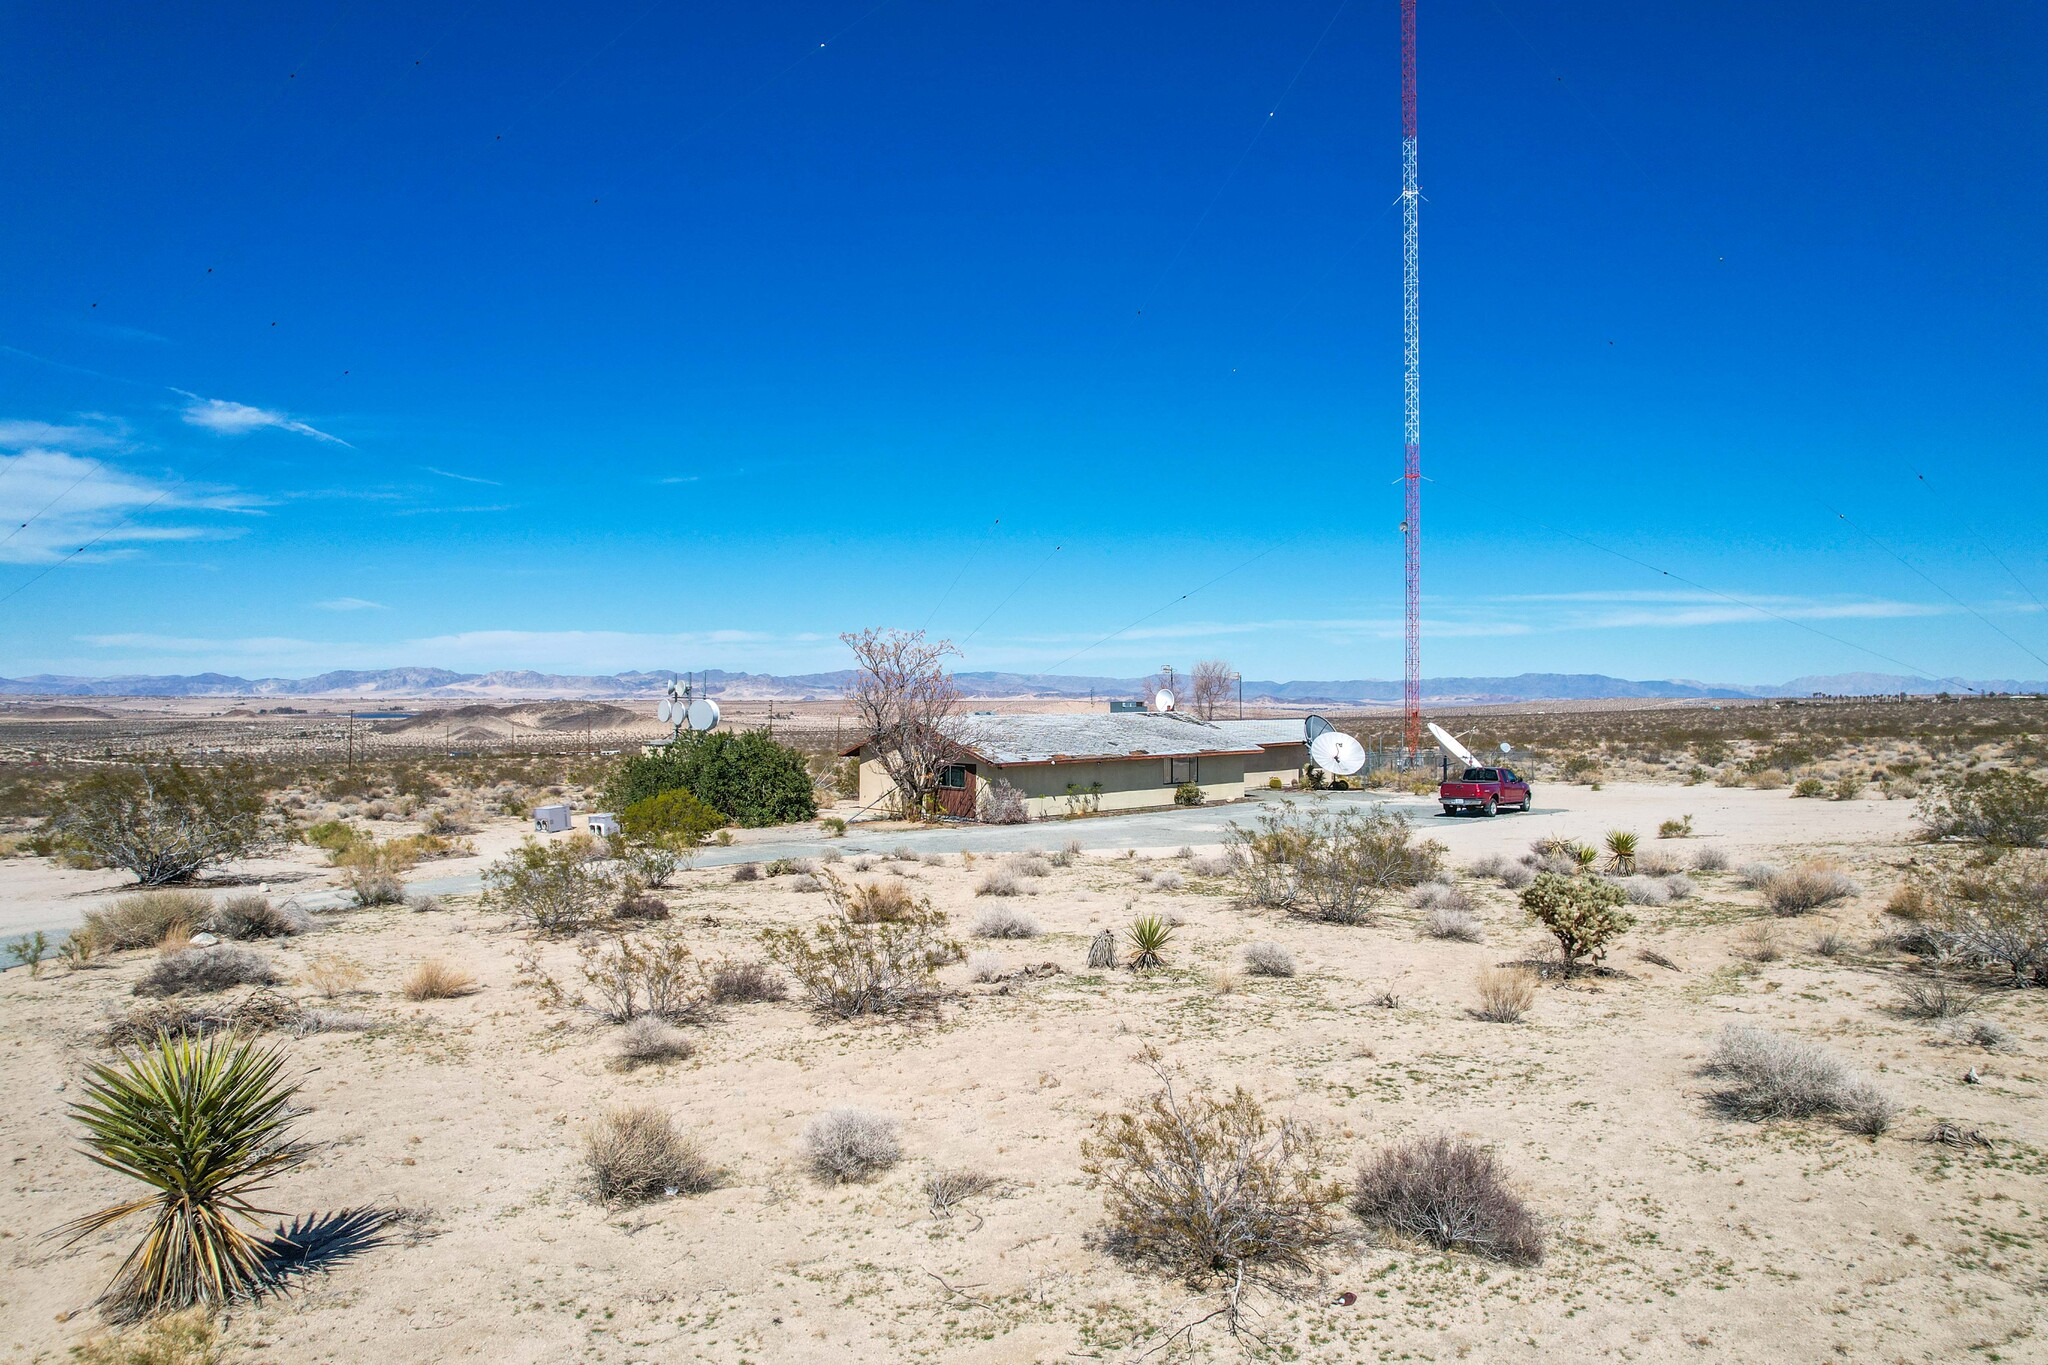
[
  {"x": 954, "y": 777},
  {"x": 1180, "y": 770}
]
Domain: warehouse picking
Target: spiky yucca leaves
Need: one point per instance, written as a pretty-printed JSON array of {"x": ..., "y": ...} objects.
[
  {"x": 1585, "y": 855},
  {"x": 203, "y": 1122},
  {"x": 1148, "y": 936},
  {"x": 1621, "y": 845}
]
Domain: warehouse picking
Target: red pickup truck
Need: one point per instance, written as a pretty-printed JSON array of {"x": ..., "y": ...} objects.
[{"x": 1484, "y": 790}]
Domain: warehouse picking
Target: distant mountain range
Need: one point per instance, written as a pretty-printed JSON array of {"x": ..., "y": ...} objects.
[{"x": 435, "y": 684}]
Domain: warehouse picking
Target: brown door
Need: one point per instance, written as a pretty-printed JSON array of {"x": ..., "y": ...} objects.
[{"x": 957, "y": 790}]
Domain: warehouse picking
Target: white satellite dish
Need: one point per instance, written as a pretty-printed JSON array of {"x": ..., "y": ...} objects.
[
  {"x": 1315, "y": 727},
  {"x": 703, "y": 713},
  {"x": 1452, "y": 747},
  {"x": 665, "y": 710},
  {"x": 1163, "y": 700},
  {"x": 1338, "y": 753},
  {"x": 1506, "y": 747}
]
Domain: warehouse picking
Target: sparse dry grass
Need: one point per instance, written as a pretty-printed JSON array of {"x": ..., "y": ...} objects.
[
  {"x": 636, "y": 1154},
  {"x": 436, "y": 979},
  {"x": 1505, "y": 994}
]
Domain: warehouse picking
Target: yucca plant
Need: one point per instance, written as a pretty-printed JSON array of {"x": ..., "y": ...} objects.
[
  {"x": 1585, "y": 855},
  {"x": 204, "y": 1122},
  {"x": 1621, "y": 848},
  {"x": 1148, "y": 937}
]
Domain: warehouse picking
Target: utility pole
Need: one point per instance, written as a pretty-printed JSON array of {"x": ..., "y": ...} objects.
[{"x": 1411, "y": 392}]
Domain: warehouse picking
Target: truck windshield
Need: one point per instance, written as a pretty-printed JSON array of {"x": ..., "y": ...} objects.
[{"x": 1480, "y": 775}]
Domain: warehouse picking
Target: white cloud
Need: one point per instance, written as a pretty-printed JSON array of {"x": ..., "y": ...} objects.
[
  {"x": 433, "y": 511},
  {"x": 350, "y": 604},
  {"x": 465, "y": 478},
  {"x": 51, "y": 435},
  {"x": 53, "y": 502},
  {"x": 223, "y": 418}
]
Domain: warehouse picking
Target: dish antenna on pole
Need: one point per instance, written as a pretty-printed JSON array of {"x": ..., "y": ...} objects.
[
  {"x": 701, "y": 714},
  {"x": 1452, "y": 747},
  {"x": 1506, "y": 748},
  {"x": 1337, "y": 753},
  {"x": 1162, "y": 700}
]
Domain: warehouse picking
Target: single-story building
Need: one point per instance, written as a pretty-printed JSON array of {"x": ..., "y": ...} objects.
[
  {"x": 1283, "y": 749},
  {"x": 1074, "y": 764}
]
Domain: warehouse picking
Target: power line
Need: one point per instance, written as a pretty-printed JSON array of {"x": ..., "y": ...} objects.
[
  {"x": 958, "y": 574},
  {"x": 1993, "y": 552},
  {"x": 1843, "y": 517},
  {"x": 1033, "y": 573},
  {"x": 1156, "y": 610}
]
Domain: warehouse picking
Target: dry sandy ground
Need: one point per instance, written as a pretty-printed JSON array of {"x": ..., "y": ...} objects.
[{"x": 1675, "y": 1233}]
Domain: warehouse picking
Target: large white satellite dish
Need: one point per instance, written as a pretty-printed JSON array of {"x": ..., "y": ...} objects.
[
  {"x": 665, "y": 711},
  {"x": 1452, "y": 747},
  {"x": 1162, "y": 700},
  {"x": 703, "y": 713},
  {"x": 1338, "y": 753}
]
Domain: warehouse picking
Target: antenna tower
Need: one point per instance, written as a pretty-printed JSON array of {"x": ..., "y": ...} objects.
[{"x": 1411, "y": 390}]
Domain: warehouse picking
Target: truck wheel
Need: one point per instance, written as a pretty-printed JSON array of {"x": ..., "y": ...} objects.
[
  {"x": 1450, "y": 810},
  {"x": 1488, "y": 808}
]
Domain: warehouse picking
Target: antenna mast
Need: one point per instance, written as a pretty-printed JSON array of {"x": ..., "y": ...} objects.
[{"x": 1411, "y": 390}]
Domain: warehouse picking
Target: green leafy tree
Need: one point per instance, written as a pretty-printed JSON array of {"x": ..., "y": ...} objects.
[
  {"x": 204, "y": 1123},
  {"x": 748, "y": 776},
  {"x": 1584, "y": 915},
  {"x": 676, "y": 817},
  {"x": 166, "y": 822}
]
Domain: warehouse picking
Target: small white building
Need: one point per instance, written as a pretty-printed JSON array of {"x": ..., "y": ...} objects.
[
  {"x": 603, "y": 822},
  {"x": 551, "y": 819}
]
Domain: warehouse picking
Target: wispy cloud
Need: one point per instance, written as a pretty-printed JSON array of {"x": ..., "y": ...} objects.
[
  {"x": 60, "y": 436},
  {"x": 350, "y": 604},
  {"x": 436, "y": 511},
  {"x": 224, "y": 418},
  {"x": 465, "y": 478},
  {"x": 53, "y": 502}
]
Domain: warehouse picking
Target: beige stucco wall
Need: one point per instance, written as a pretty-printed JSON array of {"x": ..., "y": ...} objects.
[
  {"x": 1127, "y": 783},
  {"x": 1284, "y": 761}
]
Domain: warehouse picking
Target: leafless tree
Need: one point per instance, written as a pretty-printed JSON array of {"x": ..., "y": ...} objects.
[
  {"x": 902, "y": 697},
  {"x": 1210, "y": 687}
]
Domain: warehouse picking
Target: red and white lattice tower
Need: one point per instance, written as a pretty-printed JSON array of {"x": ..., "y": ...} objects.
[{"x": 1411, "y": 389}]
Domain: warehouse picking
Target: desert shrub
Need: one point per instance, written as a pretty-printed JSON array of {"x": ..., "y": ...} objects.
[
  {"x": 674, "y": 816},
  {"x": 1998, "y": 806},
  {"x": 1759, "y": 942},
  {"x": 745, "y": 774},
  {"x": 1809, "y": 788},
  {"x": 201, "y": 971},
  {"x": 143, "y": 918},
  {"x": 1215, "y": 865},
  {"x": 1933, "y": 997},
  {"x": 851, "y": 1144},
  {"x": 246, "y": 917},
  {"x": 1268, "y": 959},
  {"x": 1435, "y": 895},
  {"x": 1168, "y": 881},
  {"x": 744, "y": 983},
  {"x": 1583, "y": 914},
  {"x": 1489, "y": 865},
  {"x": 1004, "y": 921},
  {"x": 165, "y": 822},
  {"x": 652, "y": 974},
  {"x": 1453, "y": 922},
  {"x": 1579, "y": 767},
  {"x": 641, "y": 907},
  {"x": 804, "y": 883},
  {"x": 1338, "y": 866},
  {"x": 423, "y": 904},
  {"x": 376, "y": 888},
  {"x": 1505, "y": 994},
  {"x": 1148, "y": 936},
  {"x": 1206, "y": 1185},
  {"x": 1710, "y": 859},
  {"x": 1002, "y": 804},
  {"x": 1188, "y": 794},
  {"x": 184, "y": 1338},
  {"x": 1680, "y": 828},
  {"x": 985, "y": 966},
  {"x": 1997, "y": 916},
  {"x": 637, "y": 1154},
  {"x": 1756, "y": 876},
  {"x": 551, "y": 888},
  {"x": 437, "y": 980},
  {"x": 999, "y": 882},
  {"x": 1516, "y": 876},
  {"x": 1680, "y": 887},
  {"x": 848, "y": 969},
  {"x": 1451, "y": 1194},
  {"x": 1979, "y": 1032},
  {"x": 321, "y": 1020},
  {"x": 1641, "y": 890},
  {"x": 1770, "y": 1075},
  {"x": 1621, "y": 851},
  {"x": 333, "y": 975},
  {"x": 746, "y": 872},
  {"x": 1848, "y": 787},
  {"x": 1829, "y": 942},
  {"x": 203, "y": 1123},
  {"x": 1657, "y": 862},
  {"x": 876, "y": 902},
  {"x": 1027, "y": 865},
  {"x": 1809, "y": 886},
  {"x": 648, "y": 1039}
]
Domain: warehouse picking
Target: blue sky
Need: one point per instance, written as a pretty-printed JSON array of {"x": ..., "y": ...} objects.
[{"x": 682, "y": 336}]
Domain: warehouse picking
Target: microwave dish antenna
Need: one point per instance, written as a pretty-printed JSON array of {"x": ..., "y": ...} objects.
[
  {"x": 1337, "y": 753},
  {"x": 1162, "y": 700},
  {"x": 701, "y": 714},
  {"x": 1452, "y": 747}
]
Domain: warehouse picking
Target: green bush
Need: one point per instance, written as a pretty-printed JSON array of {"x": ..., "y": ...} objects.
[
  {"x": 166, "y": 822},
  {"x": 1811, "y": 788},
  {"x": 554, "y": 888},
  {"x": 1187, "y": 794},
  {"x": 336, "y": 836},
  {"x": 1584, "y": 914},
  {"x": 674, "y": 816},
  {"x": 750, "y": 777},
  {"x": 2001, "y": 806}
]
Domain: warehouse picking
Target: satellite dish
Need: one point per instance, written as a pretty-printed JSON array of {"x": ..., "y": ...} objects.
[
  {"x": 1315, "y": 727},
  {"x": 703, "y": 713},
  {"x": 1338, "y": 753},
  {"x": 1452, "y": 747},
  {"x": 664, "y": 710},
  {"x": 1163, "y": 701},
  {"x": 1506, "y": 747}
]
